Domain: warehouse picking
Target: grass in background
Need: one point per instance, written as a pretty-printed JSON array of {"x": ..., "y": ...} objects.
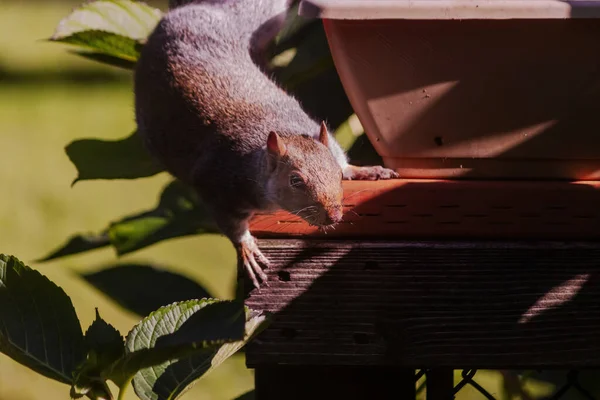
[{"x": 47, "y": 99}]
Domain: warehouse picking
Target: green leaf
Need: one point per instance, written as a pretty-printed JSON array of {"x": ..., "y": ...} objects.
[
  {"x": 113, "y": 31},
  {"x": 38, "y": 324},
  {"x": 348, "y": 131},
  {"x": 104, "y": 341},
  {"x": 179, "y": 213},
  {"x": 105, "y": 346},
  {"x": 103, "y": 159},
  {"x": 256, "y": 322},
  {"x": 171, "y": 379},
  {"x": 79, "y": 244},
  {"x": 176, "y": 331},
  {"x": 126, "y": 18},
  {"x": 108, "y": 43}
]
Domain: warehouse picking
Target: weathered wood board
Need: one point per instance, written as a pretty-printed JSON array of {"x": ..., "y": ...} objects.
[{"x": 482, "y": 304}]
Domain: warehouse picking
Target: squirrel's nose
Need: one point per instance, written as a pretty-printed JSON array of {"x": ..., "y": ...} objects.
[{"x": 334, "y": 215}]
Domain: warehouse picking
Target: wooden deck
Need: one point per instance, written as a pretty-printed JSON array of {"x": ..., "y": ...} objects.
[{"x": 430, "y": 274}]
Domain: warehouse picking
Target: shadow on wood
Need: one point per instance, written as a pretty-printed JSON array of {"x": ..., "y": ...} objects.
[
  {"x": 434, "y": 275},
  {"x": 460, "y": 305}
]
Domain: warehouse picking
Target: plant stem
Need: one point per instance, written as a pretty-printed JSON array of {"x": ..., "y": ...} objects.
[{"x": 122, "y": 390}]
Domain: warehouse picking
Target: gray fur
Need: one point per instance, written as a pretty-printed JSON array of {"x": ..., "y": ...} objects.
[{"x": 205, "y": 108}]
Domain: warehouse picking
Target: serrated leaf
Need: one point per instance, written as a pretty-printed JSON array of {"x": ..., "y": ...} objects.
[
  {"x": 256, "y": 321},
  {"x": 105, "y": 346},
  {"x": 79, "y": 244},
  {"x": 109, "y": 43},
  {"x": 172, "y": 379},
  {"x": 179, "y": 213},
  {"x": 115, "y": 28},
  {"x": 177, "y": 331},
  {"x": 111, "y": 159},
  {"x": 130, "y": 19},
  {"x": 38, "y": 324},
  {"x": 144, "y": 288},
  {"x": 104, "y": 341}
]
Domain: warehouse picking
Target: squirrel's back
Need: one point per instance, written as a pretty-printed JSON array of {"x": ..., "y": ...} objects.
[
  {"x": 199, "y": 90},
  {"x": 209, "y": 113}
]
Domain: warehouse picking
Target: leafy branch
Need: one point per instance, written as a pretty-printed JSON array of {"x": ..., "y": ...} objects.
[{"x": 40, "y": 329}]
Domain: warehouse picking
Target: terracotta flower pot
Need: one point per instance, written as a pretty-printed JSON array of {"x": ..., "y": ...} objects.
[{"x": 472, "y": 89}]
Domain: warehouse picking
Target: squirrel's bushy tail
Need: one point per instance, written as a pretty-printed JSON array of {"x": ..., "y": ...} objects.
[
  {"x": 179, "y": 3},
  {"x": 250, "y": 15},
  {"x": 260, "y": 18}
]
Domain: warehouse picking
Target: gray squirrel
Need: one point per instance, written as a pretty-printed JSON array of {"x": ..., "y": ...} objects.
[{"x": 209, "y": 113}]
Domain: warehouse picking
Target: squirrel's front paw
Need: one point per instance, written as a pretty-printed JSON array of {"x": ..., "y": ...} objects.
[
  {"x": 370, "y": 173},
  {"x": 249, "y": 257}
]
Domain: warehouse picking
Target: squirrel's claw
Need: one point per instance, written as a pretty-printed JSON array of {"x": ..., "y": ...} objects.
[
  {"x": 370, "y": 173},
  {"x": 249, "y": 257}
]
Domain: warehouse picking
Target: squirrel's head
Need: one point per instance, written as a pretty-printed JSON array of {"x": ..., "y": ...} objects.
[{"x": 304, "y": 177}]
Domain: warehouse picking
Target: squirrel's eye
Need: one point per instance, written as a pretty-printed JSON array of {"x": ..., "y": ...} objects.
[{"x": 296, "y": 181}]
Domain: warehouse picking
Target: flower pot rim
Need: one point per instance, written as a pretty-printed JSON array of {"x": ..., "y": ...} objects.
[{"x": 449, "y": 9}]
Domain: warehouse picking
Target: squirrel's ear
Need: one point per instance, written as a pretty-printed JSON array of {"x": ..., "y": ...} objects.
[
  {"x": 275, "y": 145},
  {"x": 324, "y": 135}
]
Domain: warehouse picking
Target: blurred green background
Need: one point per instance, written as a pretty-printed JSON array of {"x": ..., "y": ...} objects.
[{"x": 47, "y": 99}]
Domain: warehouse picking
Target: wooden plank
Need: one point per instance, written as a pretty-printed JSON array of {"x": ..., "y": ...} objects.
[
  {"x": 430, "y": 209},
  {"x": 333, "y": 382},
  {"x": 430, "y": 304}
]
